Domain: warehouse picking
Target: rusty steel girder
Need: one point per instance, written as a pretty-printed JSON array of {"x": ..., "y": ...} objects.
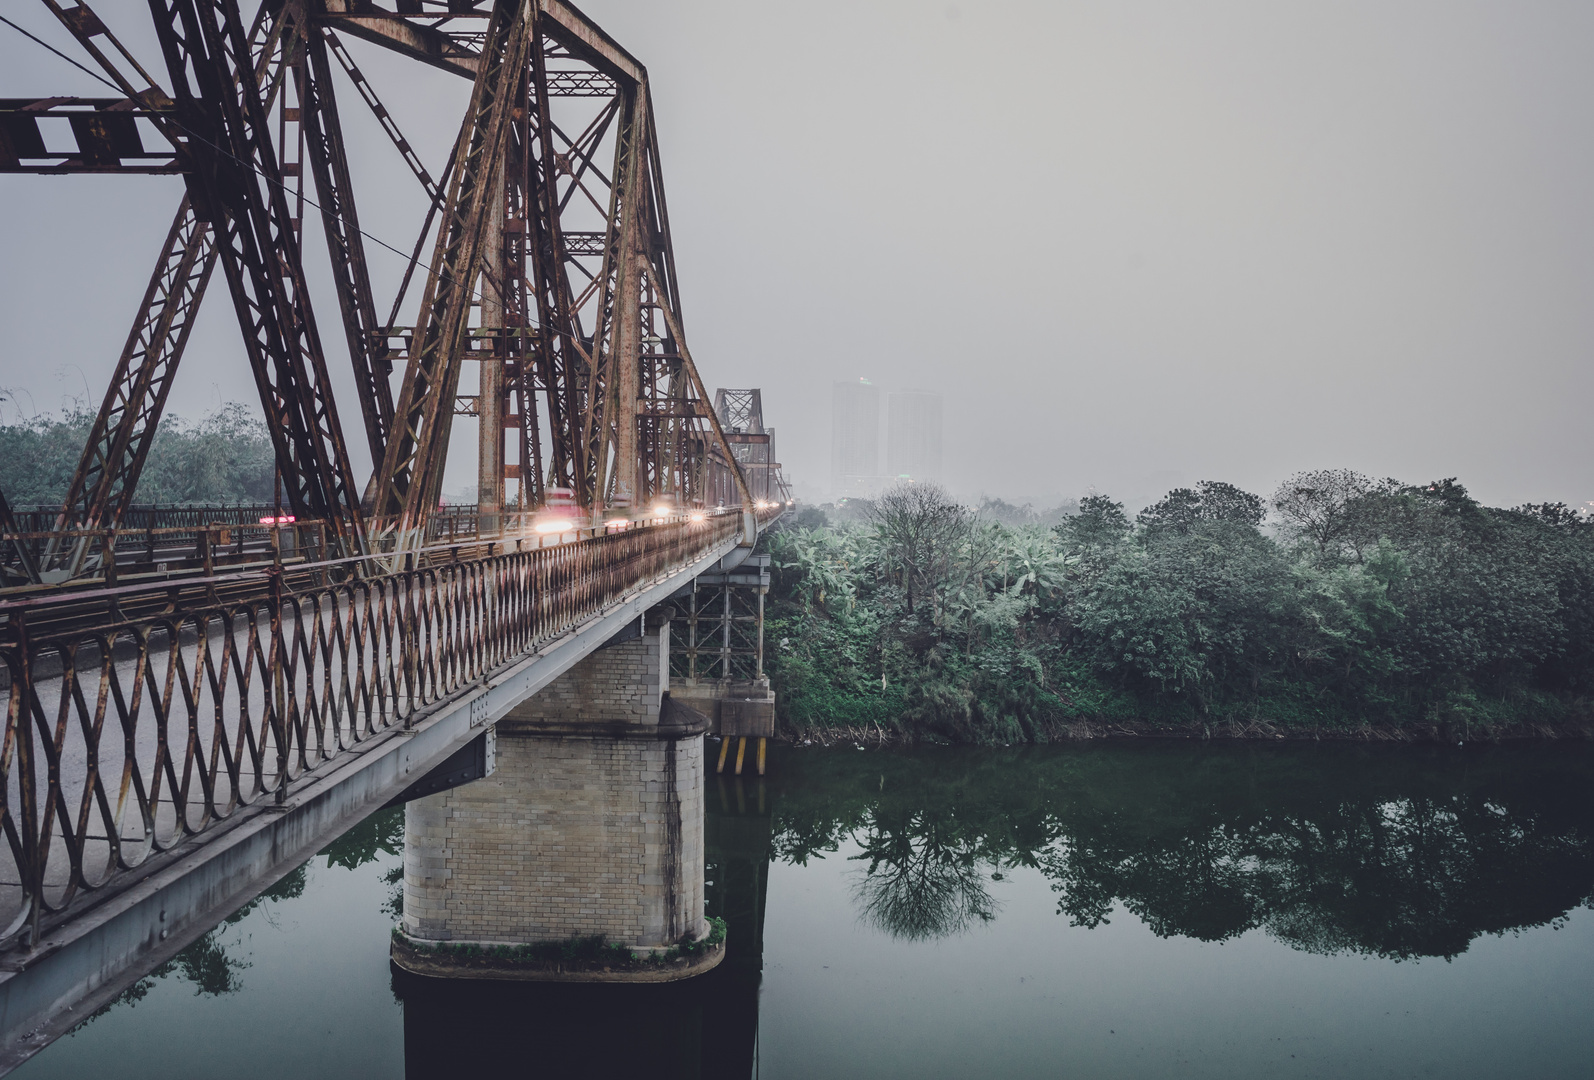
[
  {"x": 235, "y": 183},
  {"x": 552, "y": 262},
  {"x": 107, "y": 474},
  {"x": 119, "y": 442},
  {"x": 410, "y": 475},
  {"x": 335, "y": 191},
  {"x": 105, "y": 131}
]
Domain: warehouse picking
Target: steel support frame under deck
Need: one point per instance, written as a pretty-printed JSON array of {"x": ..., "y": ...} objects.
[{"x": 119, "y": 937}]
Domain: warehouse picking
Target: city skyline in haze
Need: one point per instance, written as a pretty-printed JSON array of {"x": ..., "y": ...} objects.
[{"x": 877, "y": 441}]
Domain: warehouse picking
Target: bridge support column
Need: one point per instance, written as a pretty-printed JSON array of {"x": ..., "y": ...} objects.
[
  {"x": 717, "y": 666},
  {"x": 490, "y": 395},
  {"x": 591, "y": 827}
]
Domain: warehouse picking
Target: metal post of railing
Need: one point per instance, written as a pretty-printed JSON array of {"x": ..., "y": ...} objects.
[
  {"x": 407, "y": 637},
  {"x": 21, "y": 718},
  {"x": 279, "y": 690}
]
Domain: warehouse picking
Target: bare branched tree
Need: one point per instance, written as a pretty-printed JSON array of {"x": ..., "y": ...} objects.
[
  {"x": 922, "y": 533},
  {"x": 1318, "y": 504}
]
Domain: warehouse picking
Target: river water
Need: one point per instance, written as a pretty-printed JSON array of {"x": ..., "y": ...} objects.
[{"x": 1115, "y": 909}]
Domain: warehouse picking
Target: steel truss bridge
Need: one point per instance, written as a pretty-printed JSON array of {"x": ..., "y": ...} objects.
[{"x": 197, "y": 700}]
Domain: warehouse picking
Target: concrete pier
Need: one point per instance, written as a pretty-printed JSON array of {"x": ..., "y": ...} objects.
[{"x": 591, "y": 825}]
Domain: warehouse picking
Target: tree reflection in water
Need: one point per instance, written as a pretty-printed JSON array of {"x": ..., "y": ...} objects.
[
  {"x": 206, "y": 964},
  {"x": 924, "y": 880},
  {"x": 1397, "y": 852}
]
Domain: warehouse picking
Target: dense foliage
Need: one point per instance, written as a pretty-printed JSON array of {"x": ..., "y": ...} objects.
[
  {"x": 224, "y": 458},
  {"x": 1353, "y": 602}
]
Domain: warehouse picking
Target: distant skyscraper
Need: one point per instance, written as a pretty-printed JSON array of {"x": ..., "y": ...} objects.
[
  {"x": 913, "y": 435},
  {"x": 854, "y": 437}
]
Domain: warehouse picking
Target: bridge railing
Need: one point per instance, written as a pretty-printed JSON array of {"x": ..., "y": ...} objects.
[
  {"x": 203, "y": 539},
  {"x": 122, "y": 553},
  {"x": 140, "y": 717},
  {"x": 41, "y": 519}
]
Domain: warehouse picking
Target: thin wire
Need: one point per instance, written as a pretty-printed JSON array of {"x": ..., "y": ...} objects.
[
  {"x": 61, "y": 54},
  {"x": 200, "y": 138}
]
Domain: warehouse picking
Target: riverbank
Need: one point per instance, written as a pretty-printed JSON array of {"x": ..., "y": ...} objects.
[{"x": 875, "y": 735}]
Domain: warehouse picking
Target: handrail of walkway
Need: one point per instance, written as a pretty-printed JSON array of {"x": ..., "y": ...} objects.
[{"x": 165, "y": 713}]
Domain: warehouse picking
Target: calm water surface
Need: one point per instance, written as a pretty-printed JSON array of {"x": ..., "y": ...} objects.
[{"x": 1117, "y": 910}]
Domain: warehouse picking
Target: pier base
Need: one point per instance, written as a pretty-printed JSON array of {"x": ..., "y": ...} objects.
[{"x": 581, "y": 857}]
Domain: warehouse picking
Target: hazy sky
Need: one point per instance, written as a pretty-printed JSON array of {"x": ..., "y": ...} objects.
[{"x": 1132, "y": 243}]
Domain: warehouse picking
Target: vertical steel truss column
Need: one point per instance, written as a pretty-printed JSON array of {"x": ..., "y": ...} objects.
[
  {"x": 490, "y": 393},
  {"x": 236, "y": 184},
  {"x": 625, "y": 367},
  {"x": 691, "y": 639},
  {"x": 511, "y": 334},
  {"x": 758, "y": 654},
  {"x": 643, "y": 426},
  {"x": 559, "y": 365},
  {"x": 411, "y": 472},
  {"x": 119, "y": 441},
  {"x": 675, "y": 440},
  {"x": 8, "y": 525},
  {"x": 612, "y": 379},
  {"x": 726, "y": 623},
  {"x": 323, "y": 131}
]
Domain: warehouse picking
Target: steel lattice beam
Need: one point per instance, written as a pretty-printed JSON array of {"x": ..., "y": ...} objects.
[
  {"x": 119, "y": 442},
  {"x": 411, "y": 472},
  {"x": 335, "y": 192},
  {"x": 105, "y": 131},
  {"x": 236, "y": 184}
]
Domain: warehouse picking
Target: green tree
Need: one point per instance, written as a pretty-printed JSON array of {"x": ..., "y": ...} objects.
[
  {"x": 1211, "y": 500},
  {"x": 225, "y": 458},
  {"x": 1100, "y": 523}
]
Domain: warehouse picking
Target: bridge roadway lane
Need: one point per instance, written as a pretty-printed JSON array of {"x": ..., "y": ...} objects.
[{"x": 111, "y": 937}]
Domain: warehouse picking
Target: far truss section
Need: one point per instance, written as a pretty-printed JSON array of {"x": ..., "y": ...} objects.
[
  {"x": 741, "y": 414},
  {"x": 585, "y": 379}
]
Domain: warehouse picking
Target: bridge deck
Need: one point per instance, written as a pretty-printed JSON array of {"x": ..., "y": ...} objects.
[{"x": 161, "y": 769}]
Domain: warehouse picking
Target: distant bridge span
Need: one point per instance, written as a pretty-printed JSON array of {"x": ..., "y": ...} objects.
[{"x": 194, "y": 707}]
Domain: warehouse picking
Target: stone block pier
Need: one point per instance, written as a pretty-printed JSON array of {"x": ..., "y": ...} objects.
[{"x": 590, "y": 826}]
